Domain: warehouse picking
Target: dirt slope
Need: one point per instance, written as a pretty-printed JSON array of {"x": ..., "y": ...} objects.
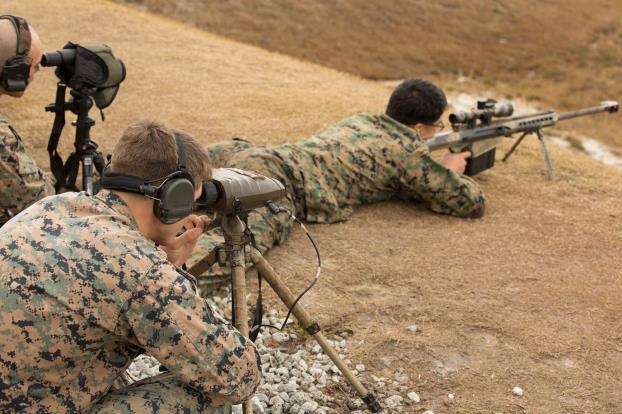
[
  {"x": 527, "y": 296},
  {"x": 565, "y": 54}
]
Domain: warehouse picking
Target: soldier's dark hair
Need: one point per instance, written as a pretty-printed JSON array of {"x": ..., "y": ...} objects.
[
  {"x": 416, "y": 101},
  {"x": 148, "y": 150}
]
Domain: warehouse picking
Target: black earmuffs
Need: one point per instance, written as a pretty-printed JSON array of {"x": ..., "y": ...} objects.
[
  {"x": 16, "y": 70},
  {"x": 173, "y": 198}
]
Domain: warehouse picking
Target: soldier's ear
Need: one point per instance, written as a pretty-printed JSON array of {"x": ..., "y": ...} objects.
[{"x": 417, "y": 127}]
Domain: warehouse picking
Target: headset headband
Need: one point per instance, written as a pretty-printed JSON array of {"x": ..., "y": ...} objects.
[
  {"x": 181, "y": 153},
  {"x": 22, "y": 30},
  {"x": 173, "y": 197}
]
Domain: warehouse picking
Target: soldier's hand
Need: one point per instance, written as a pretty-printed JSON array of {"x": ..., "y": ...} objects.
[
  {"x": 179, "y": 248},
  {"x": 456, "y": 161}
]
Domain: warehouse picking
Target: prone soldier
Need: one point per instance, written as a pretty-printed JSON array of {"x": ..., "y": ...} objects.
[
  {"x": 360, "y": 160},
  {"x": 97, "y": 280},
  {"x": 21, "y": 181}
]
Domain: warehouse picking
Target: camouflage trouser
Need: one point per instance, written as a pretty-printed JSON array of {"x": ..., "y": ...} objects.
[
  {"x": 160, "y": 394},
  {"x": 268, "y": 229}
]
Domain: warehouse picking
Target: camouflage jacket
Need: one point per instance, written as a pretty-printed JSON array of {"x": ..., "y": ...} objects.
[
  {"x": 21, "y": 181},
  {"x": 82, "y": 292},
  {"x": 363, "y": 159}
]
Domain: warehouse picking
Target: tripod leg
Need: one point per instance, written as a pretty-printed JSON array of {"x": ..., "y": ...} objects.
[
  {"x": 312, "y": 327},
  {"x": 87, "y": 173},
  {"x": 547, "y": 157},
  {"x": 205, "y": 263},
  {"x": 516, "y": 144},
  {"x": 240, "y": 311}
]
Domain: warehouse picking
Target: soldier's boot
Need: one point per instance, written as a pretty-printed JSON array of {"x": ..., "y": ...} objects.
[{"x": 221, "y": 152}]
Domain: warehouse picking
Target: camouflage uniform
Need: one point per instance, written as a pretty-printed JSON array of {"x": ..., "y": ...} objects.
[
  {"x": 21, "y": 181},
  {"x": 360, "y": 160},
  {"x": 82, "y": 293}
]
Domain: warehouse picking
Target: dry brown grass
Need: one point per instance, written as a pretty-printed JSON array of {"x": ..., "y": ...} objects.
[
  {"x": 564, "y": 54},
  {"x": 527, "y": 296}
]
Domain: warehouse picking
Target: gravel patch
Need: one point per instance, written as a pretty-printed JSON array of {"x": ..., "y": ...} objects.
[{"x": 298, "y": 377}]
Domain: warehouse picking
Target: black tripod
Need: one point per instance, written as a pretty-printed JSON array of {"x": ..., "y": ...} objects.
[{"x": 85, "y": 152}]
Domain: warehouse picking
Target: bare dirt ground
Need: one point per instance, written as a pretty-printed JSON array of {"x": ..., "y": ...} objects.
[
  {"x": 528, "y": 296},
  {"x": 563, "y": 53}
]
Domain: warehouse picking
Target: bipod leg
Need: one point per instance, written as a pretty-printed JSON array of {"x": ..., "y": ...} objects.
[
  {"x": 516, "y": 144},
  {"x": 312, "y": 327},
  {"x": 547, "y": 157}
]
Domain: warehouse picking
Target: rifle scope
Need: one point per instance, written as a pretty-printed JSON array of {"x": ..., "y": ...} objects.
[{"x": 484, "y": 112}]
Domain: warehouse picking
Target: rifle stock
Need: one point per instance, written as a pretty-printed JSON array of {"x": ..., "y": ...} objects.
[{"x": 483, "y": 139}]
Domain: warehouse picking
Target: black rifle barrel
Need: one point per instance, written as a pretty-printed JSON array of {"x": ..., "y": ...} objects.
[{"x": 507, "y": 126}]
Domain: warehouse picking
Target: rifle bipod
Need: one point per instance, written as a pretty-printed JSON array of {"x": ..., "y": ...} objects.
[
  {"x": 236, "y": 248},
  {"x": 545, "y": 151}
]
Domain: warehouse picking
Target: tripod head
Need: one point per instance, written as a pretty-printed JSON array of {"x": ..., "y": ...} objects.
[{"x": 93, "y": 75}]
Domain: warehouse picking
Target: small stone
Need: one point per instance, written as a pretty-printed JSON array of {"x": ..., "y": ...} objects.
[
  {"x": 289, "y": 387},
  {"x": 298, "y": 398},
  {"x": 412, "y": 328},
  {"x": 280, "y": 337},
  {"x": 309, "y": 407},
  {"x": 450, "y": 397},
  {"x": 518, "y": 391},
  {"x": 414, "y": 397},
  {"x": 261, "y": 397},
  {"x": 257, "y": 406},
  {"x": 276, "y": 400},
  {"x": 355, "y": 404},
  {"x": 360, "y": 367},
  {"x": 393, "y": 401},
  {"x": 428, "y": 412}
]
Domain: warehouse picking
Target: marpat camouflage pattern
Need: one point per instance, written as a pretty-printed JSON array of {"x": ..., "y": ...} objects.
[
  {"x": 82, "y": 293},
  {"x": 360, "y": 160},
  {"x": 21, "y": 181}
]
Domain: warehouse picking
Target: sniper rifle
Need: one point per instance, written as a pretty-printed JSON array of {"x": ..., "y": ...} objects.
[{"x": 476, "y": 131}]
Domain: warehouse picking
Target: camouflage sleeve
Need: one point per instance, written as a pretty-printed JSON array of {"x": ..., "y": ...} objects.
[
  {"x": 445, "y": 190},
  {"x": 21, "y": 181},
  {"x": 175, "y": 325}
]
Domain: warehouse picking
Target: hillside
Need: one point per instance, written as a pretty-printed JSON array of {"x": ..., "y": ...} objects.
[
  {"x": 528, "y": 296},
  {"x": 561, "y": 54}
]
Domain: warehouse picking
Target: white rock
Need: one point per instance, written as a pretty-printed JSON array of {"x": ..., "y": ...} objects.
[
  {"x": 257, "y": 406},
  {"x": 280, "y": 337},
  {"x": 414, "y": 397},
  {"x": 450, "y": 397},
  {"x": 393, "y": 401},
  {"x": 412, "y": 328},
  {"x": 360, "y": 367},
  {"x": 518, "y": 391},
  {"x": 309, "y": 407}
]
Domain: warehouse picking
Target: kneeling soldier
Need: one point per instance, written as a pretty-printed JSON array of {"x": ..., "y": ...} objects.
[{"x": 90, "y": 282}]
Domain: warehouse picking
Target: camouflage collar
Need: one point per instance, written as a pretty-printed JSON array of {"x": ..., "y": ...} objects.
[
  {"x": 116, "y": 203},
  {"x": 404, "y": 129}
]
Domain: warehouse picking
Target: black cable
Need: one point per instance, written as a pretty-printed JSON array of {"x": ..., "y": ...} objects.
[{"x": 275, "y": 209}]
